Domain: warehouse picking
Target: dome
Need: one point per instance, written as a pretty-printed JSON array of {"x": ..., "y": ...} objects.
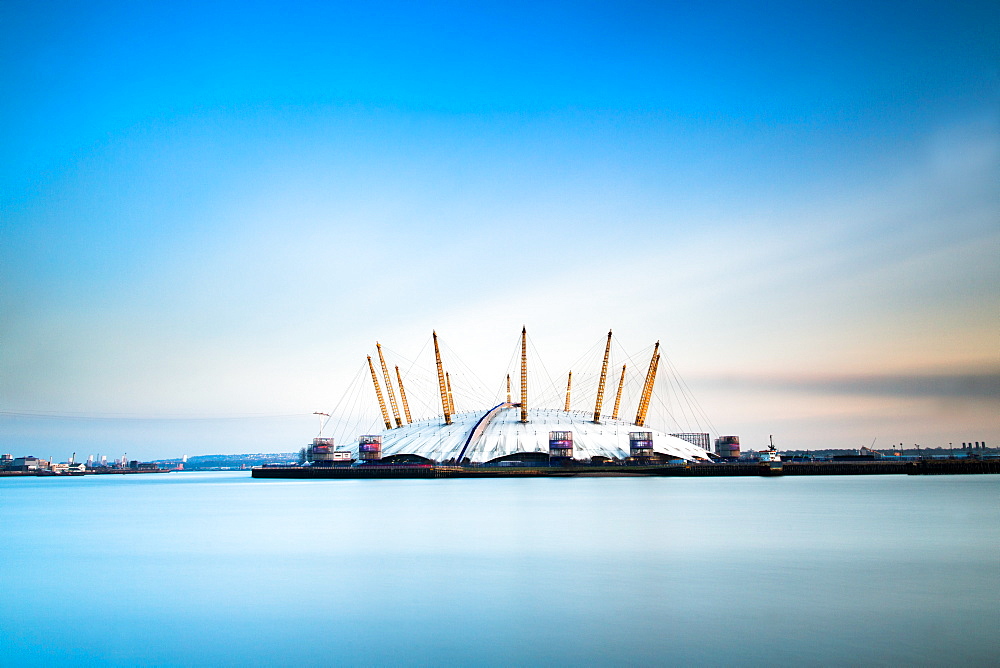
[{"x": 482, "y": 436}]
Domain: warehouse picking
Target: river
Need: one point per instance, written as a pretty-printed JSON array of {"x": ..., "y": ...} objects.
[{"x": 185, "y": 569}]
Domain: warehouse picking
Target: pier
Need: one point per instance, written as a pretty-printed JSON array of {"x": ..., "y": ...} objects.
[{"x": 921, "y": 467}]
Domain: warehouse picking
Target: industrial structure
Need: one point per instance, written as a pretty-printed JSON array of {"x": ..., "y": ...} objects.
[
  {"x": 510, "y": 433},
  {"x": 505, "y": 437},
  {"x": 728, "y": 447}
]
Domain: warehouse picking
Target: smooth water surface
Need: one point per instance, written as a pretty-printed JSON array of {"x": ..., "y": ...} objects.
[{"x": 221, "y": 569}]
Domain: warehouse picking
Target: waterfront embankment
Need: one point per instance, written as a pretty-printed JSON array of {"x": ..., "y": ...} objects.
[{"x": 921, "y": 467}]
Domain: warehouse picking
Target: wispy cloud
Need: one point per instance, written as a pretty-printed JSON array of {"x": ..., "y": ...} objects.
[{"x": 974, "y": 385}]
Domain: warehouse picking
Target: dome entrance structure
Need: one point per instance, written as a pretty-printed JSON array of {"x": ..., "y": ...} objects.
[{"x": 506, "y": 435}]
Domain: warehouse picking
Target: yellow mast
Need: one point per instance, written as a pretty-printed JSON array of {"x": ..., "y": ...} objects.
[
  {"x": 378, "y": 392},
  {"x": 618, "y": 396},
  {"x": 524, "y": 374},
  {"x": 402, "y": 395},
  {"x": 508, "y": 388},
  {"x": 569, "y": 385},
  {"x": 441, "y": 382},
  {"x": 647, "y": 389},
  {"x": 604, "y": 378},
  {"x": 388, "y": 386},
  {"x": 451, "y": 397}
]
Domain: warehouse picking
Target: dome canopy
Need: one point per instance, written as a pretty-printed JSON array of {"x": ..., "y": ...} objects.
[{"x": 481, "y": 436}]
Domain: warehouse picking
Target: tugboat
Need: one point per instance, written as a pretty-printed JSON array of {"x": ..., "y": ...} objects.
[{"x": 770, "y": 460}]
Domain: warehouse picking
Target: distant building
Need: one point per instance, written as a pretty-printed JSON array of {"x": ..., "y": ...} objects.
[
  {"x": 69, "y": 467},
  {"x": 29, "y": 463}
]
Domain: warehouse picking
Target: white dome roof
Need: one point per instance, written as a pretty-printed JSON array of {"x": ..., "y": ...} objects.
[{"x": 484, "y": 435}]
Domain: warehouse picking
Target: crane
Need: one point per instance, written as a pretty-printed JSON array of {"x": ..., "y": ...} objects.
[{"x": 321, "y": 416}]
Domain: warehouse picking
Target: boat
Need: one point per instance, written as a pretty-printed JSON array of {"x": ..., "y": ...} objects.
[{"x": 770, "y": 458}]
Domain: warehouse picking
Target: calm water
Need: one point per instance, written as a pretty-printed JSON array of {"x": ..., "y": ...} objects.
[{"x": 220, "y": 569}]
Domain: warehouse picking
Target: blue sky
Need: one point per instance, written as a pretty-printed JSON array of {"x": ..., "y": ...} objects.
[{"x": 215, "y": 209}]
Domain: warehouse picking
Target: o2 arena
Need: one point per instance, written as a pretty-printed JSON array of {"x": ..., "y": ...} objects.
[{"x": 505, "y": 434}]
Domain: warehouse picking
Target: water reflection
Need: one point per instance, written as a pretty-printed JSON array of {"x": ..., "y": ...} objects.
[{"x": 208, "y": 569}]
